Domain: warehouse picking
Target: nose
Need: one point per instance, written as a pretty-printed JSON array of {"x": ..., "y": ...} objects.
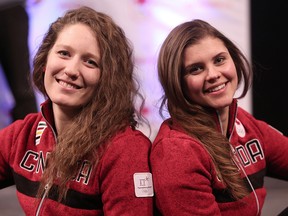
[
  {"x": 213, "y": 73},
  {"x": 72, "y": 75},
  {"x": 72, "y": 69}
]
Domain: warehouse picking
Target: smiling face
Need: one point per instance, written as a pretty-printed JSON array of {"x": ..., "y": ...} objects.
[
  {"x": 210, "y": 74},
  {"x": 72, "y": 72}
]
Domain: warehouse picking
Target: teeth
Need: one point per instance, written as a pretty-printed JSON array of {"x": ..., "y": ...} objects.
[
  {"x": 217, "y": 88},
  {"x": 67, "y": 85}
]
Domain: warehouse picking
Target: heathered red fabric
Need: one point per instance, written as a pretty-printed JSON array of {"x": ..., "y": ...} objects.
[
  {"x": 106, "y": 189},
  {"x": 185, "y": 181}
]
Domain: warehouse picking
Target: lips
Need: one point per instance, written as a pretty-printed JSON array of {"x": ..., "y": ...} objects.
[
  {"x": 68, "y": 85},
  {"x": 217, "y": 88}
]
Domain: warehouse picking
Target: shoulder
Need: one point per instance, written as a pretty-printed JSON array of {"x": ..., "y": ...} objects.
[
  {"x": 170, "y": 129},
  {"x": 171, "y": 141},
  {"x": 129, "y": 140},
  {"x": 17, "y": 135},
  {"x": 129, "y": 148},
  {"x": 130, "y": 135},
  {"x": 249, "y": 121},
  {"x": 174, "y": 151},
  {"x": 26, "y": 124}
]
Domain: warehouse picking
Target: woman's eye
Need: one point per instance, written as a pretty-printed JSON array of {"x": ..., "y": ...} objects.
[
  {"x": 92, "y": 62},
  {"x": 63, "y": 53},
  {"x": 219, "y": 60},
  {"x": 194, "y": 69}
]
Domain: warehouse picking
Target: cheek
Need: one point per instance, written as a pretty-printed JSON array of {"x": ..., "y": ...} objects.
[
  {"x": 231, "y": 75},
  {"x": 193, "y": 86},
  {"x": 53, "y": 64},
  {"x": 230, "y": 72},
  {"x": 47, "y": 78},
  {"x": 92, "y": 78},
  {"x": 48, "y": 75}
]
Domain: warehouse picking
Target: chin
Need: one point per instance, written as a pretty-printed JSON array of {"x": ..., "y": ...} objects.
[
  {"x": 66, "y": 104},
  {"x": 220, "y": 106}
]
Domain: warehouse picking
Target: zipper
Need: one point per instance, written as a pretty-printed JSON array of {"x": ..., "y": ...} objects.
[{"x": 42, "y": 200}]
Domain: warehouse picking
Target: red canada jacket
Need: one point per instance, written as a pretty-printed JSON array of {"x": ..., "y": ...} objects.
[
  {"x": 121, "y": 184},
  {"x": 185, "y": 180}
]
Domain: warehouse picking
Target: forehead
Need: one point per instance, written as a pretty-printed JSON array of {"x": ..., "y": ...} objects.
[
  {"x": 207, "y": 43},
  {"x": 77, "y": 30},
  {"x": 205, "y": 47},
  {"x": 78, "y": 37}
]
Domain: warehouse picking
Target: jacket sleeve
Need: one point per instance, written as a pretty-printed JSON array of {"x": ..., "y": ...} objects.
[
  {"x": 182, "y": 175},
  {"x": 276, "y": 151},
  {"x": 6, "y": 140},
  {"x": 124, "y": 157}
]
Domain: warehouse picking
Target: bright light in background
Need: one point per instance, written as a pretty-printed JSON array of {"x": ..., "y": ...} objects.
[{"x": 147, "y": 23}]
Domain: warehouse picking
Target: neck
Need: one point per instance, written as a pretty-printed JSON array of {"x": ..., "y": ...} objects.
[
  {"x": 224, "y": 118},
  {"x": 62, "y": 117}
]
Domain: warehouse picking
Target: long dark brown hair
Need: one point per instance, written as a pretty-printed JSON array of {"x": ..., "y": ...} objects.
[
  {"x": 111, "y": 109},
  {"x": 197, "y": 121}
]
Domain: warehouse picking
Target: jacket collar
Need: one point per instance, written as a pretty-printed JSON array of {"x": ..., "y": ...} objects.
[
  {"x": 231, "y": 121},
  {"x": 231, "y": 118},
  {"x": 47, "y": 112}
]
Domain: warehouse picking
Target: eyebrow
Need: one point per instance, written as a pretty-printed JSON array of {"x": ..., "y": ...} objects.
[{"x": 88, "y": 54}]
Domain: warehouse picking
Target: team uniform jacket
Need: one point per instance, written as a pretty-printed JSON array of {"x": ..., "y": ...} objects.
[
  {"x": 110, "y": 188},
  {"x": 185, "y": 180}
]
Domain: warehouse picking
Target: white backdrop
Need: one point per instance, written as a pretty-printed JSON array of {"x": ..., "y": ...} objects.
[{"x": 146, "y": 23}]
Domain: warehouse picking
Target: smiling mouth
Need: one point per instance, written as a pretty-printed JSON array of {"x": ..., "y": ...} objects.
[
  {"x": 216, "y": 88},
  {"x": 68, "y": 85}
]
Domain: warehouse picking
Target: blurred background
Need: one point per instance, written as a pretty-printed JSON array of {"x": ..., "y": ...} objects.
[
  {"x": 250, "y": 24},
  {"x": 146, "y": 23}
]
